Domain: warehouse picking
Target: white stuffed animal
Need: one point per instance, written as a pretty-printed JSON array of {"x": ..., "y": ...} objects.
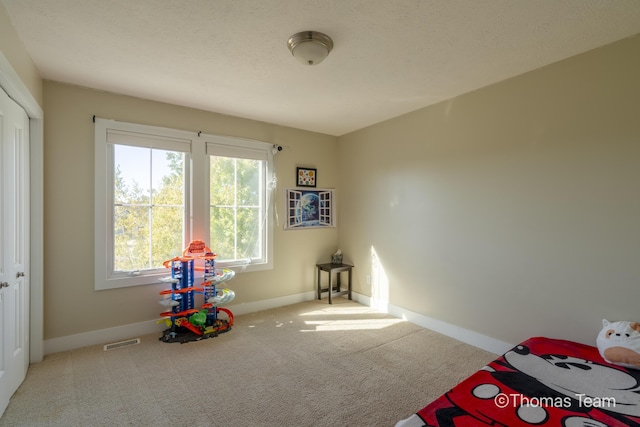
[{"x": 619, "y": 343}]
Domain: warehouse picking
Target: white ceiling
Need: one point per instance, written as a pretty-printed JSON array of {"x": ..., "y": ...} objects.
[{"x": 230, "y": 56}]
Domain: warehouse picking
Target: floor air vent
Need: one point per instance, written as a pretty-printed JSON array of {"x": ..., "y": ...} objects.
[{"x": 121, "y": 344}]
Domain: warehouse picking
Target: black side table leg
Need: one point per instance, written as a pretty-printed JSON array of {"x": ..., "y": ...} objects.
[{"x": 330, "y": 286}]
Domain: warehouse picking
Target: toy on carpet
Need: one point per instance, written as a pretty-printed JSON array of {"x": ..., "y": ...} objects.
[{"x": 184, "y": 321}]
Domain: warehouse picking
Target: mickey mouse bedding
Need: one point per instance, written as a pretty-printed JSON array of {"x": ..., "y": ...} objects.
[{"x": 540, "y": 382}]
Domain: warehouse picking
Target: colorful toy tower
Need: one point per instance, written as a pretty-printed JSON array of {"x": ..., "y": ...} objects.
[{"x": 185, "y": 322}]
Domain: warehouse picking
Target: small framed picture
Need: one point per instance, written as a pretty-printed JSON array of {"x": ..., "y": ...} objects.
[{"x": 306, "y": 177}]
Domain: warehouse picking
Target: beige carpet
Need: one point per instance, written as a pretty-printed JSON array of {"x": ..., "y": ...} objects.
[{"x": 308, "y": 364}]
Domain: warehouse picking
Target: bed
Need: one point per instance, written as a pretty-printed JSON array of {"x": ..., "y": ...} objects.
[{"x": 540, "y": 382}]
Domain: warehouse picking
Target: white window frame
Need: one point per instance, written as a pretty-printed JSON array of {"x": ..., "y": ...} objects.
[
  {"x": 196, "y": 147},
  {"x": 247, "y": 149}
]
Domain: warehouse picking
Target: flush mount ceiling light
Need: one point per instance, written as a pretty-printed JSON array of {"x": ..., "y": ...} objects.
[{"x": 310, "y": 47}]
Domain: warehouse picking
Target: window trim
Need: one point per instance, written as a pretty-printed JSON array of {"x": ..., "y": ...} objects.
[
  {"x": 196, "y": 147},
  {"x": 248, "y": 149}
]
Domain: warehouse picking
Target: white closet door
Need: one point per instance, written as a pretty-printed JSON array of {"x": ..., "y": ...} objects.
[{"x": 14, "y": 247}]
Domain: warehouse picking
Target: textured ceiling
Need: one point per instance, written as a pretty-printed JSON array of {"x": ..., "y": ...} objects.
[{"x": 231, "y": 57}]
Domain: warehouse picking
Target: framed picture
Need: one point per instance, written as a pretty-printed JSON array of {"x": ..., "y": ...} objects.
[
  {"x": 309, "y": 208},
  {"x": 306, "y": 177}
]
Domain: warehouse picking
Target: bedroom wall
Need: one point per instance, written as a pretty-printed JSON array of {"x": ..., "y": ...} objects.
[
  {"x": 511, "y": 211},
  {"x": 72, "y": 306},
  {"x": 14, "y": 51}
]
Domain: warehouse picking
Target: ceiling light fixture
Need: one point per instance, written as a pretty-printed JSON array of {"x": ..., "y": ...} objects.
[{"x": 310, "y": 47}]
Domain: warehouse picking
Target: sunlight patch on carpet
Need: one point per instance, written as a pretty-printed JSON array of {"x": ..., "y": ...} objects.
[
  {"x": 332, "y": 310},
  {"x": 349, "y": 324}
]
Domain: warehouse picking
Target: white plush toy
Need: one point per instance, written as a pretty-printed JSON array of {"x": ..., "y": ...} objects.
[{"x": 619, "y": 343}]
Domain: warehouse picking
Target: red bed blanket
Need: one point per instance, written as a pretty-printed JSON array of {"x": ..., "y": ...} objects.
[{"x": 540, "y": 382}]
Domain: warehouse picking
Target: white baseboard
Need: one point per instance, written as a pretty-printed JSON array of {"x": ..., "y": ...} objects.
[
  {"x": 102, "y": 336},
  {"x": 467, "y": 336},
  {"x": 252, "y": 307},
  {"x": 120, "y": 333}
]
